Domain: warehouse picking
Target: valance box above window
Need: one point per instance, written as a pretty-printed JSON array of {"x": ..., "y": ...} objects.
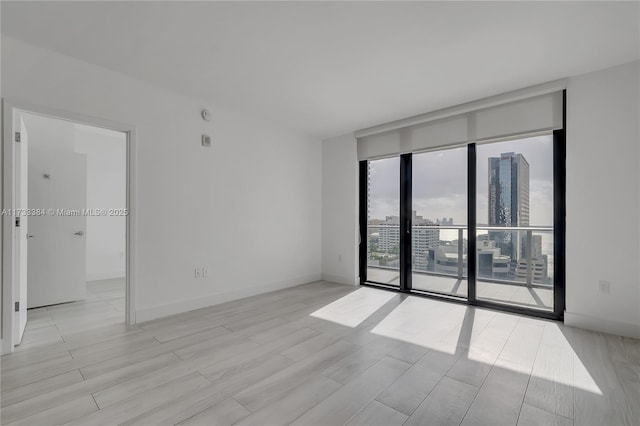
[{"x": 532, "y": 110}]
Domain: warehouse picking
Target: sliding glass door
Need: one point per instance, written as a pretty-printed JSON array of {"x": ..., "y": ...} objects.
[
  {"x": 438, "y": 222},
  {"x": 383, "y": 221},
  {"x": 515, "y": 223},
  {"x": 482, "y": 223}
]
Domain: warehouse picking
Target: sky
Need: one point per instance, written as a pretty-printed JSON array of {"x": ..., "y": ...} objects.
[{"x": 440, "y": 182}]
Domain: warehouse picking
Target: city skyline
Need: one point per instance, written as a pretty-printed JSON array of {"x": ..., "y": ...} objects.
[
  {"x": 440, "y": 182},
  {"x": 504, "y": 190}
]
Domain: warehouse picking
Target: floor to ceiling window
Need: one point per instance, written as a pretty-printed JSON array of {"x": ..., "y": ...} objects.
[
  {"x": 480, "y": 221},
  {"x": 383, "y": 221},
  {"x": 514, "y": 216},
  {"x": 438, "y": 222}
]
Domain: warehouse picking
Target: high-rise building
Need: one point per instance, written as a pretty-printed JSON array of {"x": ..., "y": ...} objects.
[
  {"x": 508, "y": 190},
  {"x": 423, "y": 238},
  {"x": 508, "y": 200}
]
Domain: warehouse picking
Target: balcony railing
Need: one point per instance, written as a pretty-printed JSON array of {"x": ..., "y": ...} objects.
[{"x": 507, "y": 255}]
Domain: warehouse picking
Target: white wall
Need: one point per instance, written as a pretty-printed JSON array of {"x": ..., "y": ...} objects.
[
  {"x": 340, "y": 210},
  {"x": 603, "y": 200},
  {"x": 50, "y": 134},
  {"x": 248, "y": 208}
]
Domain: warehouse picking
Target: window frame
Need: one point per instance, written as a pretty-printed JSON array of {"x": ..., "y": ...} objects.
[{"x": 405, "y": 286}]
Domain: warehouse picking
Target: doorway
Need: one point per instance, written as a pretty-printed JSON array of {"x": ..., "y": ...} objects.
[{"x": 67, "y": 226}]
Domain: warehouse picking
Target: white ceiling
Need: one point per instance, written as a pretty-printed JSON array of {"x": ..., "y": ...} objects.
[{"x": 327, "y": 68}]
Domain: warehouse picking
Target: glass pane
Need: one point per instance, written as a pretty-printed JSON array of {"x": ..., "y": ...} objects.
[
  {"x": 383, "y": 221},
  {"x": 439, "y": 226},
  {"x": 515, "y": 222}
]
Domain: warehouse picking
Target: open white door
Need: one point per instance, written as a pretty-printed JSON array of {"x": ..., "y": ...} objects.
[
  {"x": 57, "y": 249},
  {"x": 62, "y": 246},
  {"x": 21, "y": 234}
]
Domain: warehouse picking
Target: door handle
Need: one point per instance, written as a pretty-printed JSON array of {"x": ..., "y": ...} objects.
[
  {"x": 80, "y": 233},
  {"x": 30, "y": 236}
]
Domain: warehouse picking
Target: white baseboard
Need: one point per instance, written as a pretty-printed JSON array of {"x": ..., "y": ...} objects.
[
  {"x": 340, "y": 279},
  {"x": 186, "y": 305},
  {"x": 603, "y": 325},
  {"x": 105, "y": 276}
]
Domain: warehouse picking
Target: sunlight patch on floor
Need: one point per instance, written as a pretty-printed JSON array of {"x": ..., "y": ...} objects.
[
  {"x": 352, "y": 309},
  {"x": 580, "y": 377},
  {"x": 473, "y": 333},
  {"x": 451, "y": 328},
  {"x": 419, "y": 321}
]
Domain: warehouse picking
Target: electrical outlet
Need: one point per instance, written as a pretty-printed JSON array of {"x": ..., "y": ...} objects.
[
  {"x": 197, "y": 273},
  {"x": 205, "y": 272},
  {"x": 604, "y": 286}
]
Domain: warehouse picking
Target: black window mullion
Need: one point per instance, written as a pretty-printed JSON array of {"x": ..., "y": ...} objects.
[
  {"x": 363, "y": 174},
  {"x": 471, "y": 223},
  {"x": 559, "y": 212},
  {"x": 405, "y": 222}
]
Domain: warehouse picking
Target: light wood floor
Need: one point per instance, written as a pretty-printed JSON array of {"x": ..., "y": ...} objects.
[
  {"x": 326, "y": 354},
  {"x": 104, "y": 305}
]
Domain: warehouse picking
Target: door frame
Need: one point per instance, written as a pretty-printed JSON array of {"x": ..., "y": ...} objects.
[{"x": 9, "y": 108}]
